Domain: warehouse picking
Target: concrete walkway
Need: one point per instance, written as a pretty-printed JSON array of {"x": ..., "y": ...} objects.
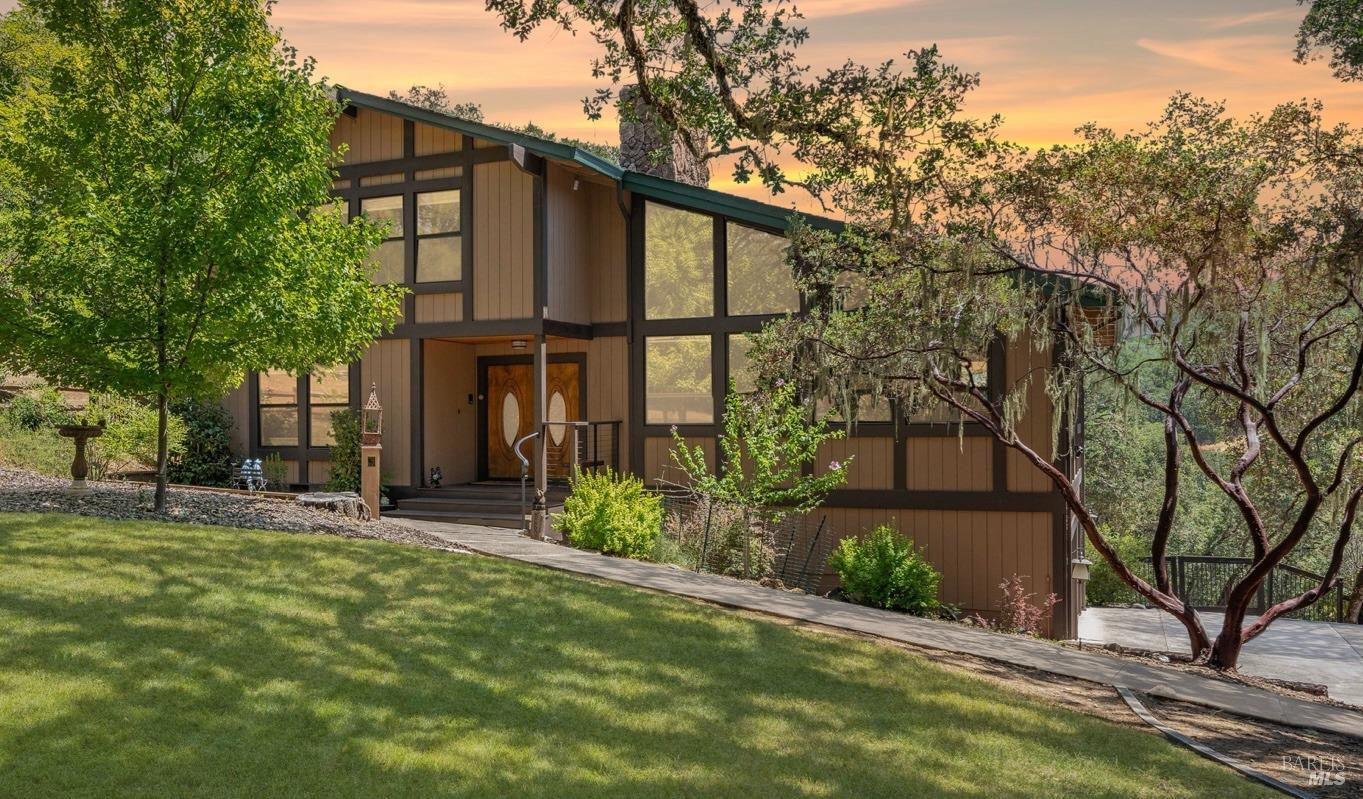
[
  {"x": 1305, "y": 651},
  {"x": 1017, "y": 650}
]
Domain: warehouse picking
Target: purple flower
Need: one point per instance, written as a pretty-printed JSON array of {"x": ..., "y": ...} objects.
[
  {"x": 674, "y": 429},
  {"x": 833, "y": 466},
  {"x": 780, "y": 382}
]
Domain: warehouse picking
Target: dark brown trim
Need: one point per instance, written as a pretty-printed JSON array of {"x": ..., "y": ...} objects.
[
  {"x": 486, "y": 155},
  {"x": 418, "y": 428},
  {"x": 498, "y": 327},
  {"x": 466, "y": 201},
  {"x": 901, "y": 499}
]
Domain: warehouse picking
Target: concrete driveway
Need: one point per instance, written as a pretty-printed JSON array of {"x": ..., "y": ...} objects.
[{"x": 1305, "y": 651}]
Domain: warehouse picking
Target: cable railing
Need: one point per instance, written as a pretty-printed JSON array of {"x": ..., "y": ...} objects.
[{"x": 1205, "y": 582}]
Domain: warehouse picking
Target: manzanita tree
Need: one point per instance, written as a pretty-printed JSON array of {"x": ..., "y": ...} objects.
[
  {"x": 165, "y": 225},
  {"x": 1232, "y": 247}
]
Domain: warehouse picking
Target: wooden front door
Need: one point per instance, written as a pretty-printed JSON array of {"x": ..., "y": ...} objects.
[{"x": 511, "y": 409}]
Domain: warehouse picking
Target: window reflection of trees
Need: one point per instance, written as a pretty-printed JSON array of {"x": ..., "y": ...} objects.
[
  {"x": 679, "y": 383},
  {"x": 678, "y": 263},
  {"x": 759, "y": 279}
]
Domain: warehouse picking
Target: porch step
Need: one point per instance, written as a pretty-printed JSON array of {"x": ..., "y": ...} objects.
[
  {"x": 490, "y": 504},
  {"x": 509, "y": 520}
]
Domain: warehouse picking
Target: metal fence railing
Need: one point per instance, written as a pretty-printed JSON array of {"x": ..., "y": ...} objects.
[{"x": 1205, "y": 582}]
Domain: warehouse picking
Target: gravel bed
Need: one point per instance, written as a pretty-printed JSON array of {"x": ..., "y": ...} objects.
[{"x": 26, "y": 492}]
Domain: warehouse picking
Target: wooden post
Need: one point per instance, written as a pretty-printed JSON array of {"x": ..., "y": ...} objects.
[
  {"x": 539, "y": 513},
  {"x": 371, "y": 451}
]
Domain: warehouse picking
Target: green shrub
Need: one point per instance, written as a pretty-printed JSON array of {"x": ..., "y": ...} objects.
[
  {"x": 1104, "y": 586},
  {"x": 130, "y": 429},
  {"x": 884, "y": 569},
  {"x": 713, "y": 536},
  {"x": 37, "y": 408},
  {"x": 611, "y": 513},
  {"x": 276, "y": 472},
  {"x": 345, "y": 452},
  {"x": 41, "y": 450},
  {"x": 206, "y": 457}
]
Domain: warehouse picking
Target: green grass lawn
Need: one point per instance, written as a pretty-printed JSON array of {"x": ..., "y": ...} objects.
[{"x": 178, "y": 661}]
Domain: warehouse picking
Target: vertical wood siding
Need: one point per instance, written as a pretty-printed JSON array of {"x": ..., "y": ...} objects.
[
  {"x": 872, "y": 461},
  {"x": 658, "y": 464},
  {"x": 443, "y": 307},
  {"x": 1035, "y": 426},
  {"x": 430, "y": 140},
  {"x": 567, "y": 237},
  {"x": 371, "y": 136},
  {"x": 503, "y": 242},
  {"x": 608, "y": 386},
  {"x": 450, "y": 377},
  {"x": 607, "y": 255},
  {"x": 950, "y": 464},
  {"x": 388, "y": 364},
  {"x": 319, "y": 472}
]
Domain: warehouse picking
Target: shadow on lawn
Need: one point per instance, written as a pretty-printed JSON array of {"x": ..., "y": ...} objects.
[{"x": 167, "y": 660}]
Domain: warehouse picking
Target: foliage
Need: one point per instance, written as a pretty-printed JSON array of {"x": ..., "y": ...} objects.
[
  {"x": 717, "y": 537},
  {"x": 37, "y": 408},
  {"x": 886, "y": 570},
  {"x": 1336, "y": 27},
  {"x": 1017, "y": 612},
  {"x": 345, "y": 451},
  {"x": 765, "y": 444},
  {"x": 206, "y": 457},
  {"x": 130, "y": 435},
  {"x": 492, "y": 643},
  {"x": 39, "y": 450},
  {"x": 164, "y": 244},
  {"x": 612, "y": 513},
  {"x": 1105, "y": 587},
  {"x": 275, "y": 472}
]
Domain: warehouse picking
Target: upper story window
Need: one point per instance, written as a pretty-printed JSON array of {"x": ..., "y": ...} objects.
[
  {"x": 278, "y": 409},
  {"x": 759, "y": 279},
  {"x": 679, "y": 263},
  {"x": 328, "y": 392},
  {"x": 439, "y": 254},
  {"x": 389, "y": 257}
]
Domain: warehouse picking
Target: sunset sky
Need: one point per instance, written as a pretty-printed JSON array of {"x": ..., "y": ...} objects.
[{"x": 1046, "y": 65}]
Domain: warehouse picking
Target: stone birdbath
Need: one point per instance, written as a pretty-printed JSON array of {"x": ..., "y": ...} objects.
[{"x": 80, "y": 466}]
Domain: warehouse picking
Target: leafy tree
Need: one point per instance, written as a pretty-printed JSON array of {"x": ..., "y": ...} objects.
[
  {"x": 435, "y": 98},
  {"x": 764, "y": 447},
  {"x": 207, "y": 456},
  {"x": 1235, "y": 243},
  {"x": 163, "y": 232},
  {"x": 1336, "y": 27},
  {"x": 345, "y": 451}
]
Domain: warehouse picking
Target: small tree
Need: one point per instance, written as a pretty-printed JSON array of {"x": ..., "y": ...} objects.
[
  {"x": 164, "y": 229},
  {"x": 766, "y": 443},
  {"x": 345, "y": 451}
]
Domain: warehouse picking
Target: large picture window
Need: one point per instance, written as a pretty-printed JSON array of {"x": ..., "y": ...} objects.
[
  {"x": 740, "y": 372},
  {"x": 679, "y": 263},
  {"x": 679, "y": 384},
  {"x": 438, "y": 246},
  {"x": 759, "y": 279},
  {"x": 328, "y": 392},
  {"x": 389, "y": 257},
  {"x": 278, "y": 409}
]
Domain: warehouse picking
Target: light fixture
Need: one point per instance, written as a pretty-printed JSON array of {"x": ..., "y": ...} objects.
[
  {"x": 518, "y": 344},
  {"x": 576, "y": 183}
]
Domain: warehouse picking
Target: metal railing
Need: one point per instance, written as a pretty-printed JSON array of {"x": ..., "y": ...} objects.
[
  {"x": 585, "y": 445},
  {"x": 1205, "y": 582}
]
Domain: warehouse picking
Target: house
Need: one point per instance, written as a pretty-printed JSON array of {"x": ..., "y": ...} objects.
[{"x": 547, "y": 283}]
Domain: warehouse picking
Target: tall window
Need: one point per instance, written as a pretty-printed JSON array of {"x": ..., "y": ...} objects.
[
  {"x": 389, "y": 255},
  {"x": 759, "y": 278},
  {"x": 679, "y": 263},
  {"x": 328, "y": 392},
  {"x": 740, "y": 372},
  {"x": 678, "y": 383},
  {"x": 278, "y": 409},
  {"x": 438, "y": 250}
]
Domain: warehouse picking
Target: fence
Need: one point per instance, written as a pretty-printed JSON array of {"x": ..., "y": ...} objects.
[
  {"x": 1205, "y": 582},
  {"x": 706, "y": 535}
]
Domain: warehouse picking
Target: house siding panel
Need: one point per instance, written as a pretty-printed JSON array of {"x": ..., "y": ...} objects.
[
  {"x": 503, "y": 242},
  {"x": 567, "y": 237},
  {"x": 388, "y": 365},
  {"x": 370, "y": 135},
  {"x": 1035, "y": 426},
  {"x": 608, "y": 247},
  {"x": 442, "y": 307}
]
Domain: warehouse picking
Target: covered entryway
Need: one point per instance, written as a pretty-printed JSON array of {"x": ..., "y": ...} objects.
[{"x": 507, "y": 414}]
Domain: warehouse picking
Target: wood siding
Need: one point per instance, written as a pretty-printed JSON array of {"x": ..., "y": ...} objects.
[
  {"x": 442, "y": 307},
  {"x": 950, "y": 464},
  {"x": 369, "y": 136},
  {"x": 388, "y": 364},
  {"x": 872, "y": 460},
  {"x": 608, "y": 246},
  {"x": 1035, "y": 427},
  {"x": 658, "y": 466},
  {"x": 568, "y": 233},
  {"x": 503, "y": 242},
  {"x": 430, "y": 140},
  {"x": 449, "y": 382}
]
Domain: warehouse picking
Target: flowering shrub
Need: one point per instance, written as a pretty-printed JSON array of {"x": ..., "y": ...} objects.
[
  {"x": 611, "y": 513},
  {"x": 1017, "y": 613},
  {"x": 886, "y": 570}
]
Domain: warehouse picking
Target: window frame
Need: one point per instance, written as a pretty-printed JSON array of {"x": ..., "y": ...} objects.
[
  {"x": 419, "y": 237},
  {"x": 402, "y": 222},
  {"x": 261, "y": 405}
]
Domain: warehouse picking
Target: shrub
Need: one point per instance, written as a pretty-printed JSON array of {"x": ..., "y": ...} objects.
[
  {"x": 345, "y": 452},
  {"x": 718, "y": 537},
  {"x": 611, "y": 513},
  {"x": 884, "y": 569},
  {"x": 130, "y": 429},
  {"x": 1017, "y": 612},
  {"x": 206, "y": 457},
  {"x": 276, "y": 472},
  {"x": 41, "y": 450},
  {"x": 38, "y": 408}
]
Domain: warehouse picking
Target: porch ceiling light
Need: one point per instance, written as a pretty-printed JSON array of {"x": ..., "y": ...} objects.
[{"x": 518, "y": 344}]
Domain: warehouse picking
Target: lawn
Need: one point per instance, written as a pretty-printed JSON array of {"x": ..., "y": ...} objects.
[{"x": 166, "y": 660}]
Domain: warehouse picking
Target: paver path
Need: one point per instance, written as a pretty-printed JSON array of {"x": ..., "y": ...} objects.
[
  {"x": 1028, "y": 652},
  {"x": 1306, "y": 651}
]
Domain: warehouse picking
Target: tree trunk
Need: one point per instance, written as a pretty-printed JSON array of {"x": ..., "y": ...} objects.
[
  {"x": 162, "y": 449},
  {"x": 1225, "y": 654},
  {"x": 1354, "y": 604}
]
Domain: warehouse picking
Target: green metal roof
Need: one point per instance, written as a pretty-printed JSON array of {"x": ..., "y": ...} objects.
[{"x": 682, "y": 194}]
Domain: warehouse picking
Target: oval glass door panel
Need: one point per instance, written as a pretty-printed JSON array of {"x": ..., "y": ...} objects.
[
  {"x": 558, "y": 412},
  {"x": 511, "y": 418}
]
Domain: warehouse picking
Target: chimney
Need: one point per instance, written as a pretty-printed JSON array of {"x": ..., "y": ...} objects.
[{"x": 640, "y": 139}]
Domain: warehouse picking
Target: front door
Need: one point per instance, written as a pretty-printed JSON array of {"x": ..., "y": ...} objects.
[{"x": 510, "y": 415}]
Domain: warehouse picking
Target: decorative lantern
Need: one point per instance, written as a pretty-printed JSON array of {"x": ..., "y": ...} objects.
[{"x": 371, "y": 421}]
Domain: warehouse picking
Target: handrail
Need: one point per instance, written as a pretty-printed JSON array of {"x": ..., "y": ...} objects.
[{"x": 525, "y": 471}]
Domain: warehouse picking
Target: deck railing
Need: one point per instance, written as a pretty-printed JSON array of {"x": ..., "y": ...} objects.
[
  {"x": 1205, "y": 582},
  {"x": 588, "y": 446}
]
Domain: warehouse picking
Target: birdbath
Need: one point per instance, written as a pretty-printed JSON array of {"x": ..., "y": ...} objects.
[{"x": 80, "y": 466}]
